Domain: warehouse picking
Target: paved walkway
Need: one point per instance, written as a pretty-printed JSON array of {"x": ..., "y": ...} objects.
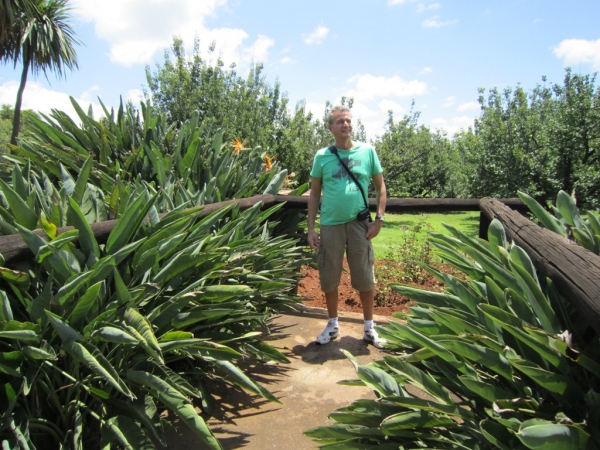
[{"x": 307, "y": 388}]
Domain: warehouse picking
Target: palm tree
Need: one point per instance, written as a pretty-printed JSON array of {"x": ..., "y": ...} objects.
[{"x": 43, "y": 39}]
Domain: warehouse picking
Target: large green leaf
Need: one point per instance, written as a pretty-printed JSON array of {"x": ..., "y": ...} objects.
[
  {"x": 85, "y": 304},
  {"x": 87, "y": 240},
  {"x": 547, "y": 219},
  {"x": 568, "y": 209},
  {"x": 420, "y": 379},
  {"x": 527, "y": 278},
  {"x": 128, "y": 224},
  {"x": 91, "y": 357},
  {"x": 22, "y": 213},
  {"x": 141, "y": 325},
  {"x": 544, "y": 435},
  {"x": 480, "y": 355},
  {"x": 177, "y": 403},
  {"x": 129, "y": 433},
  {"x": 411, "y": 420},
  {"x": 235, "y": 375}
]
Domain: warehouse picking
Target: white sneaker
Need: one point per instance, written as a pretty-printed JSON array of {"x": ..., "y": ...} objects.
[
  {"x": 372, "y": 337},
  {"x": 330, "y": 332}
]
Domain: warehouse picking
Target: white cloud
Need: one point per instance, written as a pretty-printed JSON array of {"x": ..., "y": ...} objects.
[
  {"x": 259, "y": 51},
  {"x": 287, "y": 60},
  {"x": 137, "y": 29},
  {"x": 452, "y": 125},
  {"x": 468, "y": 106},
  {"x": 369, "y": 87},
  {"x": 317, "y": 36},
  {"x": 434, "y": 22},
  {"x": 43, "y": 100},
  {"x": 135, "y": 95},
  {"x": 578, "y": 51},
  {"x": 536, "y": 21},
  {"x": 449, "y": 101},
  {"x": 426, "y": 70},
  {"x": 317, "y": 109},
  {"x": 389, "y": 105},
  {"x": 399, "y": 2},
  {"x": 87, "y": 95},
  {"x": 422, "y": 7}
]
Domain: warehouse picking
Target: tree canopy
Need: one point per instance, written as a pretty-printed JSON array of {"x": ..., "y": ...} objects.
[{"x": 43, "y": 40}]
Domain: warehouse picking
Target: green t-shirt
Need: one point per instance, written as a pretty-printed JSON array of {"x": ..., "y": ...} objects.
[{"x": 341, "y": 200}]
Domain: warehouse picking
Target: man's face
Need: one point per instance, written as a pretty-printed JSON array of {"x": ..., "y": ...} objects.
[{"x": 342, "y": 125}]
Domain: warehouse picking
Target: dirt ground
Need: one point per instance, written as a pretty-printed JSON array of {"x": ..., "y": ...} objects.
[{"x": 349, "y": 300}]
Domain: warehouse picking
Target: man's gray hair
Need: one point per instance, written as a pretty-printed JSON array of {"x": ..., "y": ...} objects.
[{"x": 337, "y": 108}]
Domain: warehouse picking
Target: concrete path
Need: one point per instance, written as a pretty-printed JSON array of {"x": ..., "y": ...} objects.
[{"x": 307, "y": 388}]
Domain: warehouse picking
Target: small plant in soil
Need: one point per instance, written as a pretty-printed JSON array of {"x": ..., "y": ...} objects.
[{"x": 404, "y": 263}]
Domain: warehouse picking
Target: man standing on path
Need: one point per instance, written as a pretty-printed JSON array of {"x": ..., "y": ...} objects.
[{"x": 340, "y": 228}]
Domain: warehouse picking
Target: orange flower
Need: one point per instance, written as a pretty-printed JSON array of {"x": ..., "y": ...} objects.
[
  {"x": 268, "y": 162},
  {"x": 238, "y": 146}
]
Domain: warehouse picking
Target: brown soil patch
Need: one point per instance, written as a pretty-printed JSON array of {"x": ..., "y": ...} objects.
[{"x": 387, "y": 302}]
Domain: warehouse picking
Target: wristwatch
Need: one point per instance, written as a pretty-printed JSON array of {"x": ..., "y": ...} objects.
[{"x": 380, "y": 218}]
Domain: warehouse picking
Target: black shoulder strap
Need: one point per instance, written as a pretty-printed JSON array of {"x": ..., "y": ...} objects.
[{"x": 333, "y": 149}]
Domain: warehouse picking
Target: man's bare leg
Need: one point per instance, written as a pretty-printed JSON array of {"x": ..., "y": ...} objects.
[
  {"x": 367, "y": 299},
  {"x": 331, "y": 298}
]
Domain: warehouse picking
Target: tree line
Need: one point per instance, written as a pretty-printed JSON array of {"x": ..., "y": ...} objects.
[{"x": 538, "y": 141}]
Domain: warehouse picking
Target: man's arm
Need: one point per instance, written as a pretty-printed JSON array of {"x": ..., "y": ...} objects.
[
  {"x": 375, "y": 227},
  {"x": 313, "y": 207}
]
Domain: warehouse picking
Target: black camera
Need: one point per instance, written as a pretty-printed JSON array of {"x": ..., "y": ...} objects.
[{"x": 364, "y": 215}]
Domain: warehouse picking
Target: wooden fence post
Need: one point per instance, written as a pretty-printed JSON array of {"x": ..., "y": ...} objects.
[{"x": 574, "y": 270}]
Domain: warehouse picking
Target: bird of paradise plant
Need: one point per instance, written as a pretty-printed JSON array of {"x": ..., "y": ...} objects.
[{"x": 238, "y": 146}]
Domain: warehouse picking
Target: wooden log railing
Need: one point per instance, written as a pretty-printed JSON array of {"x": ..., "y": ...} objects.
[
  {"x": 13, "y": 248},
  {"x": 575, "y": 270}
]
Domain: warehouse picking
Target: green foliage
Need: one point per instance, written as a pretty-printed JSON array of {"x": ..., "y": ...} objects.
[
  {"x": 405, "y": 261},
  {"x": 539, "y": 142},
  {"x": 567, "y": 221},
  {"x": 500, "y": 361},
  {"x": 418, "y": 162},
  {"x": 96, "y": 340},
  {"x": 100, "y": 162},
  {"x": 43, "y": 40},
  {"x": 248, "y": 109},
  {"x": 118, "y": 331}
]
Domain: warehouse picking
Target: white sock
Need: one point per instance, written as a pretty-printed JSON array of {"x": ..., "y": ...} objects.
[
  {"x": 368, "y": 325},
  {"x": 333, "y": 321}
]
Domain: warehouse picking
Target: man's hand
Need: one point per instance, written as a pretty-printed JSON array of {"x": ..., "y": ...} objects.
[
  {"x": 313, "y": 239},
  {"x": 373, "y": 229}
]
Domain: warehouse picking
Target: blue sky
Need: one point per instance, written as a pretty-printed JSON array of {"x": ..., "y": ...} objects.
[{"x": 384, "y": 53}]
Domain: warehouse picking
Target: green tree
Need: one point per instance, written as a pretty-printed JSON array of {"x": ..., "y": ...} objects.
[
  {"x": 575, "y": 133},
  {"x": 43, "y": 40},
  {"x": 540, "y": 141},
  {"x": 249, "y": 109},
  {"x": 418, "y": 162},
  {"x": 9, "y": 11}
]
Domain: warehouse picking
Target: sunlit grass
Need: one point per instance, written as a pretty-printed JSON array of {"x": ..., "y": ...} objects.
[{"x": 392, "y": 234}]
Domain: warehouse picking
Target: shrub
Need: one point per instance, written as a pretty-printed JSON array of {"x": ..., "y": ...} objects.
[
  {"x": 404, "y": 262},
  {"x": 97, "y": 339},
  {"x": 499, "y": 361},
  {"x": 567, "y": 220}
]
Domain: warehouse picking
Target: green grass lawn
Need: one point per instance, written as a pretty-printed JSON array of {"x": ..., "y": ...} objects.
[{"x": 397, "y": 227}]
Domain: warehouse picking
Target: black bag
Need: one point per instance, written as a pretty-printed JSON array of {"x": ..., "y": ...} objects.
[{"x": 364, "y": 213}]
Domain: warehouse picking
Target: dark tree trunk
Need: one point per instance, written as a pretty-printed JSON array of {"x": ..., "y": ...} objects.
[{"x": 17, "y": 116}]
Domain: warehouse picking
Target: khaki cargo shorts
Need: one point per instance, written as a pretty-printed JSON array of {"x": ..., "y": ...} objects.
[{"x": 351, "y": 238}]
